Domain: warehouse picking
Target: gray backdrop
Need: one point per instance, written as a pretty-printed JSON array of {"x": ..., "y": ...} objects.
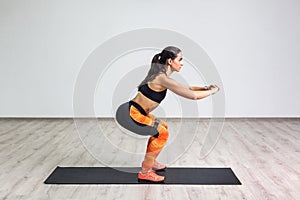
[{"x": 253, "y": 44}]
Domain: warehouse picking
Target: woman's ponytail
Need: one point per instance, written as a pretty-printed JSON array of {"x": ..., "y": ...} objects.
[{"x": 156, "y": 58}]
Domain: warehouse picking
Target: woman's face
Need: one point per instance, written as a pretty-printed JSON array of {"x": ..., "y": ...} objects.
[{"x": 176, "y": 64}]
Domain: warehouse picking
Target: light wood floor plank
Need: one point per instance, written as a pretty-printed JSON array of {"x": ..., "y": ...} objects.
[{"x": 263, "y": 153}]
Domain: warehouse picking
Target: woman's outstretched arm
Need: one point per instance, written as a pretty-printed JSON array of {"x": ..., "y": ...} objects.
[
  {"x": 185, "y": 91},
  {"x": 197, "y": 88}
]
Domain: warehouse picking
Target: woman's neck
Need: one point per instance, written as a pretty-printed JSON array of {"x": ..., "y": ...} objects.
[{"x": 169, "y": 70}]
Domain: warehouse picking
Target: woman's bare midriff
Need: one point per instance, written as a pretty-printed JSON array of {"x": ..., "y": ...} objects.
[{"x": 147, "y": 104}]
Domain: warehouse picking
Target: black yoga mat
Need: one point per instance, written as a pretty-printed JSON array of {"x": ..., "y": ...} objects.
[{"x": 106, "y": 175}]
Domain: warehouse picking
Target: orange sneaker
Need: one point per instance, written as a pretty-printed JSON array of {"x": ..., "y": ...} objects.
[
  {"x": 158, "y": 167},
  {"x": 150, "y": 176}
]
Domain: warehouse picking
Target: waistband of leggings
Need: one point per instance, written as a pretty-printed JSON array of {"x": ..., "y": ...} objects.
[{"x": 137, "y": 106}]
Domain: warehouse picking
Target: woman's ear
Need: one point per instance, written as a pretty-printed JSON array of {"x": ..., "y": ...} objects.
[{"x": 169, "y": 61}]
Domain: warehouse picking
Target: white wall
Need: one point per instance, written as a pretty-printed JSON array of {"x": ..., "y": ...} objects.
[{"x": 254, "y": 45}]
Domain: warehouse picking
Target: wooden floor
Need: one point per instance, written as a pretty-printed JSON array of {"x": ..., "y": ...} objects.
[{"x": 263, "y": 153}]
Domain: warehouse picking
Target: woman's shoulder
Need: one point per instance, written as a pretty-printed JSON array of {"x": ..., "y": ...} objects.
[
  {"x": 160, "y": 78},
  {"x": 163, "y": 78},
  {"x": 165, "y": 81},
  {"x": 158, "y": 81}
]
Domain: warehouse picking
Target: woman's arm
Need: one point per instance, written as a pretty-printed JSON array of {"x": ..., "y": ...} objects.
[
  {"x": 185, "y": 91},
  {"x": 196, "y": 88}
]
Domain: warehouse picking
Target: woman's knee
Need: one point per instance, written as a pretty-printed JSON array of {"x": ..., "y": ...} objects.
[
  {"x": 163, "y": 134},
  {"x": 163, "y": 123}
]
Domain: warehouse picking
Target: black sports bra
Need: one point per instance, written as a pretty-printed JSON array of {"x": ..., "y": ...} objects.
[{"x": 151, "y": 94}]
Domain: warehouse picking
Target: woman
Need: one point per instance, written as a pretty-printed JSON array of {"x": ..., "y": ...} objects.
[{"x": 135, "y": 114}]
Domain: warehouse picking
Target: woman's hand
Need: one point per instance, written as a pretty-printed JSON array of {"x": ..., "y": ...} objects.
[{"x": 213, "y": 88}]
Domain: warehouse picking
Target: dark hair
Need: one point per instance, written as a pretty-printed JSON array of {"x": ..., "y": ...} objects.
[{"x": 158, "y": 63}]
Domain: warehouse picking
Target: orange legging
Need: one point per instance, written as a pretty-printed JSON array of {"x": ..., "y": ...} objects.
[{"x": 155, "y": 144}]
